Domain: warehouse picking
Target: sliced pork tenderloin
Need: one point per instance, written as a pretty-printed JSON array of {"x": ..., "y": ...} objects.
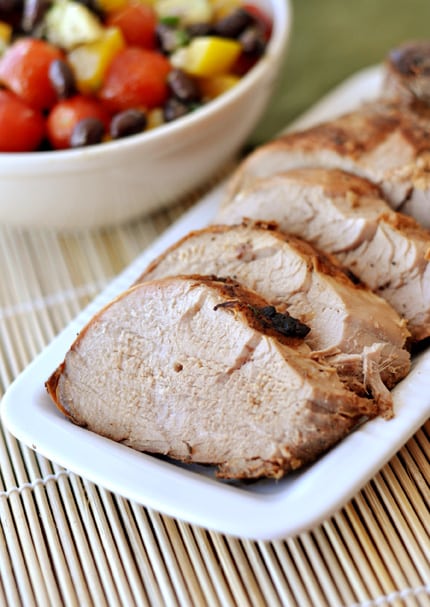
[
  {"x": 346, "y": 216},
  {"x": 201, "y": 370},
  {"x": 353, "y": 329},
  {"x": 385, "y": 142}
]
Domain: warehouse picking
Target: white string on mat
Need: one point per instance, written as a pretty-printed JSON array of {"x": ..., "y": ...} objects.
[
  {"x": 405, "y": 593},
  {"x": 51, "y": 300},
  {"x": 35, "y": 483},
  {"x": 57, "y": 277}
]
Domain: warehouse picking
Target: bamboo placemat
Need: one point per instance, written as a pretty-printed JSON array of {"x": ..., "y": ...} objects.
[{"x": 65, "y": 541}]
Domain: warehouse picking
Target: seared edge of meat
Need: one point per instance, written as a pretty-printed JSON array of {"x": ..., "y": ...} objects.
[
  {"x": 387, "y": 143},
  {"x": 407, "y": 72}
]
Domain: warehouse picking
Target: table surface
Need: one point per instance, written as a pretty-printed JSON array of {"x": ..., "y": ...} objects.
[{"x": 66, "y": 541}]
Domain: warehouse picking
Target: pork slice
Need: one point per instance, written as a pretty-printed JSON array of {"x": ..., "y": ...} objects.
[
  {"x": 386, "y": 142},
  {"x": 195, "y": 369},
  {"x": 407, "y": 72},
  {"x": 346, "y": 216},
  {"x": 352, "y": 328}
]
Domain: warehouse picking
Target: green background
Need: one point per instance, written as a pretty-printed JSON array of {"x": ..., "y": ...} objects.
[{"x": 330, "y": 40}]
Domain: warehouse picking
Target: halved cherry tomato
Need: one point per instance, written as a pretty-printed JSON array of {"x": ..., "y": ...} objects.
[
  {"x": 67, "y": 113},
  {"x": 24, "y": 69},
  {"x": 136, "y": 78},
  {"x": 22, "y": 128},
  {"x": 137, "y": 22},
  {"x": 262, "y": 17}
]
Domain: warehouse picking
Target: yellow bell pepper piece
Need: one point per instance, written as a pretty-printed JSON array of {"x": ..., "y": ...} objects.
[
  {"x": 90, "y": 61},
  {"x": 108, "y": 6},
  {"x": 222, "y": 8},
  {"x": 154, "y": 118},
  {"x": 5, "y": 36},
  {"x": 208, "y": 56},
  {"x": 213, "y": 87}
]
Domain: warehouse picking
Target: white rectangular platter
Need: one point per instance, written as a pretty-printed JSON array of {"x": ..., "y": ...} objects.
[{"x": 264, "y": 510}]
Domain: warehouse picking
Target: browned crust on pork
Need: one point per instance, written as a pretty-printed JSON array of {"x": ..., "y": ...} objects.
[
  {"x": 335, "y": 182},
  {"x": 323, "y": 262},
  {"x": 363, "y": 130}
]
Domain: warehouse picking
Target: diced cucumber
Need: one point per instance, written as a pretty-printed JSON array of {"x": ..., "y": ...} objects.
[
  {"x": 69, "y": 24},
  {"x": 189, "y": 11}
]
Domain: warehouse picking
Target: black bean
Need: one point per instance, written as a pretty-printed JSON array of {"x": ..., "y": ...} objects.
[
  {"x": 87, "y": 131},
  {"x": 8, "y": 6},
  {"x": 253, "y": 40},
  {"x": 182, "y": 86},
  {"x": 233, "y": 24},
  {"x": 199, "y": 29},
  {"x": 33, "y": 13},
  {"x": 93, "y": 6},
  {"x": 128, "y": 122},
  {"x": 62, "y": 78},
  {"x": 173, "y": 109}
]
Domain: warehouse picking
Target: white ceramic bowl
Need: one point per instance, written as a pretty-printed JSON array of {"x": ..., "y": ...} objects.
[{"x": 113, "y": 182}]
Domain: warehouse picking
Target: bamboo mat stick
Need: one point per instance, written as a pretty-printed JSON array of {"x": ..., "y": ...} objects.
[
  {"x": 383, "y": 561},
  {"x": 229, "y": 569},
  {"x": 155, "y": 556},
  {"x": 275, "y": 571},
  {"x": 338, "y": 587},
  {"x": 122, "y": 544},
  {"x": 246, "y": 572},
  {"x": 214, "y": 566},
  {"x": 88, "y": 513},
  {"x": 138, "y": 549},
  {"x": 363, "y": 549},
  {"x": 197, "y": 562},
  {"x": 169, "y": 557},
  {"x": 343, "y": 543},
  {"x": 263, "y": 578},
  {"x": 291, "y": 571},
  {"x": 117, "y": 583},
  {"x": 184, "y": 562}
]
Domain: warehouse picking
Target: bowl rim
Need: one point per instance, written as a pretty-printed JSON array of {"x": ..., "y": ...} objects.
[{"x": 281, "y": 13}]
